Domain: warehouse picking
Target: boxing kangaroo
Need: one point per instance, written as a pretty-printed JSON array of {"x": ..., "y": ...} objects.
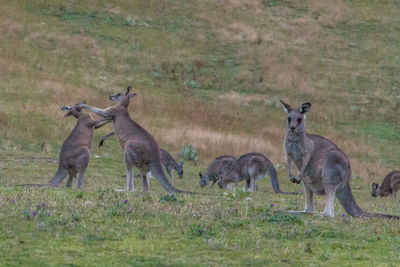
[
  {"x": 140, "y": 149},
  {"x": 75, "y": 151},
  {"x": 323, "y": 168}
]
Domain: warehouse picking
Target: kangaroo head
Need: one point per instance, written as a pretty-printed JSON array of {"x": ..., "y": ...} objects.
[
  {"x": 296, "y": 118},
  {"x": 73, "y": 111},
  {"x": 204, "y": 180},
  {"x": 375, "y": 189},
  {"x": 179, "y": 169},
  {"x": 123, "y": 98}
]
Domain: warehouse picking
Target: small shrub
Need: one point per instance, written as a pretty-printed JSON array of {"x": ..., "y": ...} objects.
[
  {"x": 189, "y": 153},
  {"x": 171, "y": 198},
  {"x": 239, "y": 194}
]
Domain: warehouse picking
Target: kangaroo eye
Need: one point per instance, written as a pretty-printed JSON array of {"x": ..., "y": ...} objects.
[
  {"x": 289, "y": 119},
  {"x": 299, "y": 120}
]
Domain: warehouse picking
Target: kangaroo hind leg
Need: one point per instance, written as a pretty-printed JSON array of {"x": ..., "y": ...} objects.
[
  {"x": 70, "y": 178},
  {"x": 59, "y": 176},
  {"x": 145, "y": 182}
]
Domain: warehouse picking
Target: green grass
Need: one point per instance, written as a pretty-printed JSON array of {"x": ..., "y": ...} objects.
[
  {"x": 96, "y": 227},
  {"x": 210, "y": 74}
]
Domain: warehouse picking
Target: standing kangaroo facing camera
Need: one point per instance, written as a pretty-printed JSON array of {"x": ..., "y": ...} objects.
[
  {"x": 75, "y": 151},
  {"x": 323, "y": 168},
  {"x": 140, "y": 148}
]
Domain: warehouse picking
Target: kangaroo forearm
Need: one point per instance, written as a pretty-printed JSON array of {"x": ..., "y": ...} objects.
[
  {"x": 101, "y": 112},
  {"x": 101, "y": 142},
  {"x": 306, "y": 159},
  {"x": 100, "y": 123},
  {"x": 108, "y": 135},
  {"x": 289, "y": 162}
]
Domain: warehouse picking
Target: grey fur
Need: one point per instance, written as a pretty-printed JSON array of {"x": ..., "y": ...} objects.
[
  {"x": 389, "y": 186},
  {"x": 323, "y": 168},
  {"x": 167, "y": 161},
  {"x": 250, "y": 167},
  {"x": 75, "y": 151},
  {"x": 170, "y": 164},
  {"x": 140, "y": 149},
  {"x": 214, "y": 170}
]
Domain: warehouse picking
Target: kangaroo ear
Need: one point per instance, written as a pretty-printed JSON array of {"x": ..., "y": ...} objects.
[
  {"x": 128, "y": 90},
  {"x": 200, "y": 175},
  {"x": 286, "y": 107},
  {"x": 181, "y": 163},
  {"x": 304, "y": 108}
]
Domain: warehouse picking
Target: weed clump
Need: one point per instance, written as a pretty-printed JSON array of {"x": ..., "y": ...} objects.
[{"x": 171, "y": 198}]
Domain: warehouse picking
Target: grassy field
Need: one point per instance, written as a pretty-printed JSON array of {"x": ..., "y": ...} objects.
[{"x": 207, "y": 73}]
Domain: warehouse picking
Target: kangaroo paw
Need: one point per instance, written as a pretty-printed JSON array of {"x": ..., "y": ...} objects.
[{"x": 295, "y": 180}]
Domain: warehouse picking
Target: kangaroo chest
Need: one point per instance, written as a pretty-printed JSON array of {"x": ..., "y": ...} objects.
[{"x": 296, "y": 151}]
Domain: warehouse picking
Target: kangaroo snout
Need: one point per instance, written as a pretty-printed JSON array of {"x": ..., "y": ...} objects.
[{"x": 292, "y": 128}]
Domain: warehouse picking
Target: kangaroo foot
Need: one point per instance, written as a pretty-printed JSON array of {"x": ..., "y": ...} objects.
[
  {"x": 300, "y": 212},
  {"x": 324, "y": 214}
]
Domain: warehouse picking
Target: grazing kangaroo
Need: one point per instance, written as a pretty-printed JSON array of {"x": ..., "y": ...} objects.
[
  {"x": 250, "y": 167},
  {"x": 323, "y": 168},
  {"x": 214, "y": 170},
  {"x": 389, "y": 186},
  {"x": 167, "y": 161},
  {"x": 170, "y": 164},
  {"x": 75, "y": 151},
  {"x": 140, "y": 149}
]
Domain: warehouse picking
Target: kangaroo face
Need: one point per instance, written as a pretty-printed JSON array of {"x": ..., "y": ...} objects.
[
  {"x": 375, "y": 190},
  {"x": 123, "y": 98},
  {"x": 204, "y": 180},
  {"x": 295, "y": 122},
  {"x": 179, "y": 169}
]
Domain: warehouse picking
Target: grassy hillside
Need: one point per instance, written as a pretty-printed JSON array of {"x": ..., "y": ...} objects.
[{"x": 207, "y": 73}]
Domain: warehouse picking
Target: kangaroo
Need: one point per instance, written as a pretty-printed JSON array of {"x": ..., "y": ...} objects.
[
  {"x": 167, "y": 161},
  {"x": 170, "y": 164},
  {"x": 214, "y": 170},
  {"x": 250, "y": 167},
  {"x": 323, "y": 168},
  {"x": 75, "y": 151},
  {"x": 389, "y": 186},
  {"x": 140, "y": 148}
]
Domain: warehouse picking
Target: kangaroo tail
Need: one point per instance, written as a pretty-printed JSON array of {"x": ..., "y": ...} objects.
[
  {"x": 34, "y": 185},
  {"x": 274, "y": 179},
  {"x": 380, "y": 215},
  {"x": 157, "y": 171},
  {"x": 275, "y": 183},
  {"x": 346, "y": 198},
  {"x": 58, "y": 177}
]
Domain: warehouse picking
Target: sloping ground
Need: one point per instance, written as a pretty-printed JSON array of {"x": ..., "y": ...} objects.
[
  {"x": 210, "y": 74},
  {"x": 205, "y": 69}
]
